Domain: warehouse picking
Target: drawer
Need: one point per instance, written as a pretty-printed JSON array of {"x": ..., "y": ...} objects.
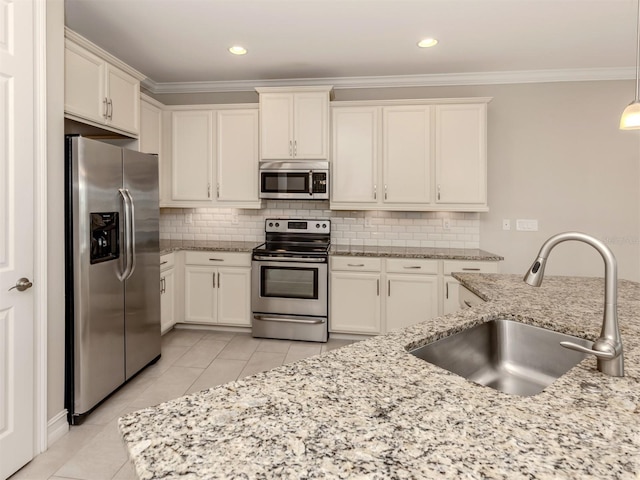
[
  {"x": 467, "y": 298},
  {"x": 167, "y": 261},
  {"x": 356, "y": 264},
  {"x": 228, "y": 259},
  {"x": 469, "y": 266},
  {"x": 412, "y": 265}
]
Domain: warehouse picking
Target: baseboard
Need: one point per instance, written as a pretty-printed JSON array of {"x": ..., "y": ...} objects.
[{"x": 57, "y": 427}]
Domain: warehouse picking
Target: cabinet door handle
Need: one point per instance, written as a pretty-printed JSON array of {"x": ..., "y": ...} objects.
[
  {"x": 410, "y": 267},
  {"x": 375, "y": 192},
  {"x": 438, "y": 192},
  {"x": 389, "y": 288},
  {"x": 105, "y": 108},
  {"x": 378, "y": 287},
  {"x": 290, "y": 148},
  {"x": 468, "y": 269},
  {"x": 447, "y": 292},
  {"x": 385, "y": 192},
  {"x": 219, "y": 280},
  {"x": 355, "y": 264},
  {"x": 208, "y": 190},
  {"x": 295, "y": 148},
  {"x": 110, "y": 109},
  {"x": 468, "y": 304},
  {"x": 164, "y": 263},
  {"x": 217, "y": 190}
]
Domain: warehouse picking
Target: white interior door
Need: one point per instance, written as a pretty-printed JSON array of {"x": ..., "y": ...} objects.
[{"x": 16, "y": 234}]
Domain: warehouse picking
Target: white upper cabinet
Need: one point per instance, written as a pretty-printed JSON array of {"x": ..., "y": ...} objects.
[
  {"x": 192, "y": 155},
  {"x": 99, "y": 89},
  {"x": 461, "y": 154},
  {"x": 150, "y": 126},
  {"x": 406, "y": 154},
  {"x": 237, "y": 156},
  {"x": 213, "y": 159},
  {"x": 401, "y": 156},
  {"x": 354, "y": 156},
  {"x": 294, "y": 123}
]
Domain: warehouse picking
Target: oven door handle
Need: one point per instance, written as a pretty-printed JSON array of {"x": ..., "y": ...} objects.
[
  {"x": 305, "y": 320},
  {"x": 287, "y": 259}
]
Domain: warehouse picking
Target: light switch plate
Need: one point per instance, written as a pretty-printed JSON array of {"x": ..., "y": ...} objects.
[
  {"x": 506, "y": 224},
  {"x": 446, "y": 224},
  {"x": 188, "y": 218},
  {"x": 526, "y": 225}
]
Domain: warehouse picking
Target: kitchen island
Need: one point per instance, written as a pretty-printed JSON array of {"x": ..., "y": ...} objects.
[{"x": 371, "y": 410}]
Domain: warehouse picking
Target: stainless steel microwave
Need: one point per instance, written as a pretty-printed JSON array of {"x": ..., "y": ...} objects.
[{"x": 301, "y": 180}]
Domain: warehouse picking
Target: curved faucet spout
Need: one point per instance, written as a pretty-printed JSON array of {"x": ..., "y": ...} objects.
[{"x": 608, "y": 347}]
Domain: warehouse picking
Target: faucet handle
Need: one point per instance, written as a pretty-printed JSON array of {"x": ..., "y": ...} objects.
[{"x": 608, "y": 354}]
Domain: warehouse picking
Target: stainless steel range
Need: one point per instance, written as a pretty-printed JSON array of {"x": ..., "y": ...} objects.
[{"x": 289, "y": 295}]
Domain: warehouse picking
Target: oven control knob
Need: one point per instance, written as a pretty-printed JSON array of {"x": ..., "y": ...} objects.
[
  {"x": 317, "y": 225},
  {"x": 277, "y": 224},
  {"x": 271, "y": 224},
  {"x": 324, "y": 225}
]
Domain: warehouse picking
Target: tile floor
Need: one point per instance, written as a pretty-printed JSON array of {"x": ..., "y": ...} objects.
[{"x": 192, "y": 360}]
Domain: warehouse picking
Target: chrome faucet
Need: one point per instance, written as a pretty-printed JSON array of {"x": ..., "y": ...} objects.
[{"x": 608, "y": 347}]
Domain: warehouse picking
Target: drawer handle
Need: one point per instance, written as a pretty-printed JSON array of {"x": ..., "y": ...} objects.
[
  {"x": 468, "y": 303},
  {"x": 216, "y": 259},
  {"x": 471, "y": 269},
  {"x": 412, "y": 266},
  {"x": 165, "y": 262},
  {"x": 355, "y": 264}
]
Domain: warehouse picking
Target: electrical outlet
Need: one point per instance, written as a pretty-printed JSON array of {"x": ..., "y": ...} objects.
[
  {"x": 188, "y": 218},
  {"x": 526, "y": 225},
  {"x": 506, "y": 224},
  {"x": 446, "y": 224},
  {"x": 234, "y": 219},
  {"x": 367, "y": 221}
]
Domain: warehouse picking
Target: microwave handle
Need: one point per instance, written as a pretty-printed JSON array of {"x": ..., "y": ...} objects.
[{"x": 311, "y": 182}]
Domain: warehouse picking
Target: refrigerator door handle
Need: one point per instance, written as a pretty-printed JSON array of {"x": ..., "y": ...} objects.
[
  {"x": 127, "y": 235},
  {"x": 132, "y": 232}
]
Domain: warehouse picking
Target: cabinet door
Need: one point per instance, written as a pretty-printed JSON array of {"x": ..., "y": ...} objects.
[
  {"x": 451, "y": 299},
  {"x": 124, "y": 100},
  {"x": 355, "y": 303},
  {"x": 199, "y": 294},
  {"x": 311, "y": 125},
  {"x": 150, "y": 128},
  {"x": 407, "y": 154},
  {"x": 192, "y": 155},
  {"x": 355, "y": 155},
  {"x": 237, "y": 155},
  {"x": 234, "y": 296},
  {"x": 84, "y": 84},
  {"x": 276, "y": 126},
  {"x": 167, "y": 300},
  {"x": 461, "y": 154},
  {"x": 411, "y": 299}
]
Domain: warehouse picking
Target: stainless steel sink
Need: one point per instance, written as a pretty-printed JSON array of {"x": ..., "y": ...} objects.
[{"x": 505, "y": 355}]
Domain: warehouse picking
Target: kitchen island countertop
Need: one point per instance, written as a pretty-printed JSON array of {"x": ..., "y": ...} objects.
[{"x": 371, "y": 410}]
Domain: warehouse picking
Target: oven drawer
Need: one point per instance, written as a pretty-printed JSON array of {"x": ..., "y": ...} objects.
[
  {"x": 227, "y": 259},
  {"x": 412, "y": 265},
  {"x": 356, "y": 264}
]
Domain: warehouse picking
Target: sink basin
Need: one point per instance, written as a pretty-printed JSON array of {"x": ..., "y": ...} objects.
[{"x": 505, "y": 355}]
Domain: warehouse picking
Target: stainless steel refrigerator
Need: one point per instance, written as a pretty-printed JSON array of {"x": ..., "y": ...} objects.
[{"x": 112, "y": 270}]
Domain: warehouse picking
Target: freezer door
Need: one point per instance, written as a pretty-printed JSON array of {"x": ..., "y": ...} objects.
[
  {"x": 142, "y": 289},
  {"x": 96, "y": 232}
]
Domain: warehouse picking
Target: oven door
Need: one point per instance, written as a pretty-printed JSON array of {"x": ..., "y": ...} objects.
[{"x": 289, "y": 288}]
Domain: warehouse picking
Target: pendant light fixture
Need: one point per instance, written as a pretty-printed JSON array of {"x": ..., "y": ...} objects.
[{"x": 630, "y": 119}]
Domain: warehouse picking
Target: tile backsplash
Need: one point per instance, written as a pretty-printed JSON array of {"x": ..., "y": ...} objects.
[{"x": 383, "y": 228}]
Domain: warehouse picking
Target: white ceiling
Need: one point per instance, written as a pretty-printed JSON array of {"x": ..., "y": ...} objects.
[{"x": 176, "y": 42}]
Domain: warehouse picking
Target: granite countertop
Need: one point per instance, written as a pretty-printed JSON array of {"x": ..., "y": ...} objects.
[
  {"x": 168, "y": 246},
  {"x": 371, "y": 410}
]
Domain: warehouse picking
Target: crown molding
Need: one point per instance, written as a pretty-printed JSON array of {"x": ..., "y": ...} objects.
[{"x": 437, "y": 80}]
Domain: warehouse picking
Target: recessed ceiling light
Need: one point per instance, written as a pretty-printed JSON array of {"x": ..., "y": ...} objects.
[
  {"x": 427, "y": 42},
  {"x": 238, "y": 50}
]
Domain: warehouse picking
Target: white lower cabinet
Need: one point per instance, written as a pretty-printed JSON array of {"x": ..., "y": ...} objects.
[
  {"x": 167, "y": 292},
  {"x": 219, "y": 295},
  {"x": 374, "y": 296},
  {"x": 451, "y": 286}
]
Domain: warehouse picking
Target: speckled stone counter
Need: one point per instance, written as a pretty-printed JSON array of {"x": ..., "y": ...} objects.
[
  {"x": 168, "y": 246},
  {"x": 414, "y": 252},
  {"x": 372, "y": 411}
]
